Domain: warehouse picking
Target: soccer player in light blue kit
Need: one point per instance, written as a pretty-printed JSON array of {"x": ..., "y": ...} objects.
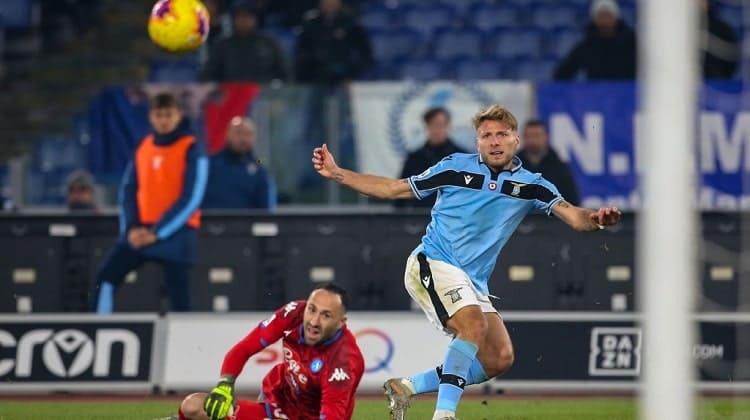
[{"x": 482, "y": 198}]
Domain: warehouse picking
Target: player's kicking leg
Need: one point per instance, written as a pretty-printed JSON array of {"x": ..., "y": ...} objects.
[
  {"x": 480, "y": 350},
  {"x": 495, "y": 357},
  {"x": 191, "y": 408}
]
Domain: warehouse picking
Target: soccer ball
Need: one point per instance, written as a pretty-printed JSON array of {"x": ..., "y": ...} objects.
[{"x": 178, "y": 25}]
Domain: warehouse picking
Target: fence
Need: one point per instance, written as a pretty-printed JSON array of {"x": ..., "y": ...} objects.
[{"x": 257, "y": 261}]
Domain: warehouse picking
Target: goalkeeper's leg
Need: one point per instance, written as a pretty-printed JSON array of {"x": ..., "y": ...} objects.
[{"x": 192, "y": 409}]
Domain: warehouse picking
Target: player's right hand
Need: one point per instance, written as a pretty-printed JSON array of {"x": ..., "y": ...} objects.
[
  {"x": 323, "y": 162},
  {"x": 219, "y": 401}
]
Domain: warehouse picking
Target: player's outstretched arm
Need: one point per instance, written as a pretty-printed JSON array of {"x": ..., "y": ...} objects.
[
  {"x": 586, "y": 220},
  {"x": 372, "y": 185}
]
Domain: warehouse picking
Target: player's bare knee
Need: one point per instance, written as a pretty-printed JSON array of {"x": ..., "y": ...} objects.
[
  {"x": 507, "y": 357},
  {"x": 498, "y": 362},
  {"x": 192, "y": 406}
]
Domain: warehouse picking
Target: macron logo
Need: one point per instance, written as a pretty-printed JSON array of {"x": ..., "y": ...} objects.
[
  {"x": 468, "y": 179},
  {"x": 338, "y": 375}
]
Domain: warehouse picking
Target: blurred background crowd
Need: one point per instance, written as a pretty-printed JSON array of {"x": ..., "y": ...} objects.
[{"x": 60, "y": 57}]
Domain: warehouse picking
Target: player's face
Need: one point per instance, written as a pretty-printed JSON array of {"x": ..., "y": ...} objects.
[
  {"x": 324, "y": 315},
  {"x": 497, "y": 144},
  {"x": 164, "y": 120}
]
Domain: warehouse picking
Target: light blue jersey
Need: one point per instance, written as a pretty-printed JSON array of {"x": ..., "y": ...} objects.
[{"x": 477, "y": 210}]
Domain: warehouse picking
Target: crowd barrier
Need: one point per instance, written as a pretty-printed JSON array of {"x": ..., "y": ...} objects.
[
  {"x": 257, "y": 262},
  {"x": 555, "y": 351}
]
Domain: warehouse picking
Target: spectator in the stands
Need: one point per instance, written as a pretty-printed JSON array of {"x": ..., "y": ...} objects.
[
  {"x": 249, "y": 54},
  {"x": 237, "y": 179},
  {"x": 332, "y": 47},
  {"x": 538, "y": 157},
  {"x": 216, "y": 12},
  {"x": 721, "y": 52},
  {"x": 437, "y": 123},
  {"x": 80, "y": 191},
  {"x": 292, "y": 12},
  {"x": 63, "y": 22},
  {"x": 607, "y": 51}
]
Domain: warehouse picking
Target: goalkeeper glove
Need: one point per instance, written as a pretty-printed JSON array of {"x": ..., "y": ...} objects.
[{"x": 220, "y": 400}]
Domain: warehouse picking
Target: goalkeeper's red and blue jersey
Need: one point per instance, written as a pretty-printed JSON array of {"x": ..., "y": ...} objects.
[{"x": 313, "y": 382}]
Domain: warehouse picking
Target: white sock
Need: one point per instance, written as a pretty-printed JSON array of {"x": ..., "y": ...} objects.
[{"x": 441, "y": 414}]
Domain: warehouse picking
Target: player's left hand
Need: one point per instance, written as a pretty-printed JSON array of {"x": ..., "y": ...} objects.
[
  {"x": 606, "y": 216},
  {"x": 219, "y": 402}
]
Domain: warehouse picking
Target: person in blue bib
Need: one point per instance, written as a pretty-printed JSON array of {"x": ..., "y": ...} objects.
[{"x": 481, "y": 199}]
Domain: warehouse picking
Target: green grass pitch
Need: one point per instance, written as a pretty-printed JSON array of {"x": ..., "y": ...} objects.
[{"x": 493, "y": 409}]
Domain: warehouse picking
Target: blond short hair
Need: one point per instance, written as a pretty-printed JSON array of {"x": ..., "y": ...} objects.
[{"x": 495, "y": 113}]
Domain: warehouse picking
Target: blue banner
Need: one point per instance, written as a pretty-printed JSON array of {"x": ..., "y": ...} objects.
[{"x": 595, "y": 127}]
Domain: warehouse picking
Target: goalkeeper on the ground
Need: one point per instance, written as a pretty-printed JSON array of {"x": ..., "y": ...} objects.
[{"x": 317, "y": 379}]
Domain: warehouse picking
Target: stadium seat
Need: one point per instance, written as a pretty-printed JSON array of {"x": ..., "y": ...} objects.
[
  {"x": 490, "y": 17},
  {"x": 378, "y": 19},
  {"x": 426, "y": 19},
  {"x": 395, "y": 45},
  {"x": 732, "y": 15},
  {"x": 629, "y": 14},
  {"x": 57, "y": 153},
  {"x": 536, "y": 69},
  {"x": 18, "y": 14},
  {"x": 424, "y": 70},
  {"x": 487, "y": 69},
  {"x": 560, "y": 43},
  {"x": 550, "y": 18},
  {"x": 458, "y": 43},
  {"x": 522, "y": 3},
  {"x": 512, "y": 44}
]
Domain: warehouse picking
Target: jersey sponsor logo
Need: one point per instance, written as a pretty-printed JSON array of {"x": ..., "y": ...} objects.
[
  {"x": 492, "y": 185},
  {"x": 287, "y": 332},
  {"x": 316, "y": 365},
  {"x": 615, "y": 351},
  {"x": 467, "y": 179},
  {"x": 454, "y": 295},
  {"x": 289, "y": 308},
  {"x": 338, "y": 375}
]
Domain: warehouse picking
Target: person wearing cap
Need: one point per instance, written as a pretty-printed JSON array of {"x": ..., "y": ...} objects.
[
  {"x": 79, "y": 191},
  {"x": 248, "y": 55},
  {"x": 237, "y": 179},
  {"x": 607, "y": 51}
]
